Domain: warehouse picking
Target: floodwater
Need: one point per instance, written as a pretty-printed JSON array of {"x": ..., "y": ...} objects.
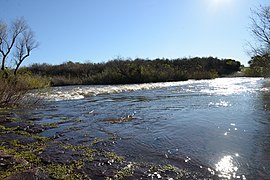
[{"x": 221, "y": 124}]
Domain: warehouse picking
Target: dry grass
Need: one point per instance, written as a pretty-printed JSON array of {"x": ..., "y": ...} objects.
[
  {"x": 13, "y": 89},
  {"x": 11, "y": 92}
]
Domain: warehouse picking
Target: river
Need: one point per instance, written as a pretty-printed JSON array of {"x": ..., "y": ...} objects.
[{"x": 222, "y": 124}]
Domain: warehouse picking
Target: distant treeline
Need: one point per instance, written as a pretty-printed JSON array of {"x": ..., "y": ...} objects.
[{"x": 127, "y": 71}]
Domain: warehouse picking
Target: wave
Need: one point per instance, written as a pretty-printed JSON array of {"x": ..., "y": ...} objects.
[
  {"x": 222, "y": 86},
  {"x": 81, "y": 92}
]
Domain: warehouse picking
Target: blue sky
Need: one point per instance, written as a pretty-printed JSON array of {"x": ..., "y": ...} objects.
[{"x": 100, "y": 30}]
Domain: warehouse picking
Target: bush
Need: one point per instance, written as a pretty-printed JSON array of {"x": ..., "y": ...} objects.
[
  {"x": 13, "y": 89},
  {"x": 259, "y": 66}
]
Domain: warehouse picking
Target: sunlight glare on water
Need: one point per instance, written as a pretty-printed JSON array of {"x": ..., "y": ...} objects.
[
  {"x": 226, "y": 167},
  {"x": 219, "y": 86},
  {"x": 229, "y": 86},
  {"x": 220, "y": 124},
  {"x": 221, "y": 103}
]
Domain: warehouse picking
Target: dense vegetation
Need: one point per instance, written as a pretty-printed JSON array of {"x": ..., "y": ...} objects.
[
  {"x": 259, "y": 66},
  {"x": 14, "y": 88},
  {"x": 120, "y": 71}
]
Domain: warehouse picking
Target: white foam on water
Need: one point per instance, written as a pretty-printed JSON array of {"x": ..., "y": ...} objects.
[
  {"x": 80, "y": 92},
  {"x": 221, "y": 103},
  {"x": 219, "y": 86}
]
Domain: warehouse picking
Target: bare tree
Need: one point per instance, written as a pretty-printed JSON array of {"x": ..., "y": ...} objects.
[
  {"x": 23, "y": 48},
  {"x": 260, "y": 30},
  {"x": 18, "y": 40}
]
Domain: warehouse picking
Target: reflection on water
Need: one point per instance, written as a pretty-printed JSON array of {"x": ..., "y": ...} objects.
[
  {"x": 221, "y": 124},
  {"x": 227, "y": 167},
  {"x": 220, "y": 103}
]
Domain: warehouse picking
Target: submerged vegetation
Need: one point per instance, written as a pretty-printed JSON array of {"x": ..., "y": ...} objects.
[
  {"x": 127, "y": 71},
  {"x": 25, "y": 154}
]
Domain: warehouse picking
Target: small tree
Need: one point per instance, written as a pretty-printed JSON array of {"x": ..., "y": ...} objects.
[
  {"x": 260, "y": 30},
  {"x": 16, "y": 40}
]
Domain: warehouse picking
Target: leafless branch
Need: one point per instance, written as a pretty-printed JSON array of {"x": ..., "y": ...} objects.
[
  {"x": 18, "y": 39},
  {"x": 23, "y": 48},
  {"x": 3, "y": 36},
  {"x": 260, "y": 30}
]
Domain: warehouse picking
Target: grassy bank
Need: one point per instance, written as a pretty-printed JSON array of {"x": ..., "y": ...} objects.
[{"x": 14, "y": 88}]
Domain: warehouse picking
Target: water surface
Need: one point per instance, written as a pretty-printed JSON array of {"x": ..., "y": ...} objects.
[{"x": 222, "y": 124}]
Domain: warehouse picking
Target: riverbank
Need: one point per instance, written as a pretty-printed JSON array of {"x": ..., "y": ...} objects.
[{"x": 25, "y": 154}]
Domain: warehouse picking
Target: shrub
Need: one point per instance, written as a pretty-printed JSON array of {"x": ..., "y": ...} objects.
[{"x": 13, "y": 89}]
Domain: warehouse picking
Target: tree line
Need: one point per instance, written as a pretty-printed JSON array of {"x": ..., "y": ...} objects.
[{"x": 128, "y": 71}]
